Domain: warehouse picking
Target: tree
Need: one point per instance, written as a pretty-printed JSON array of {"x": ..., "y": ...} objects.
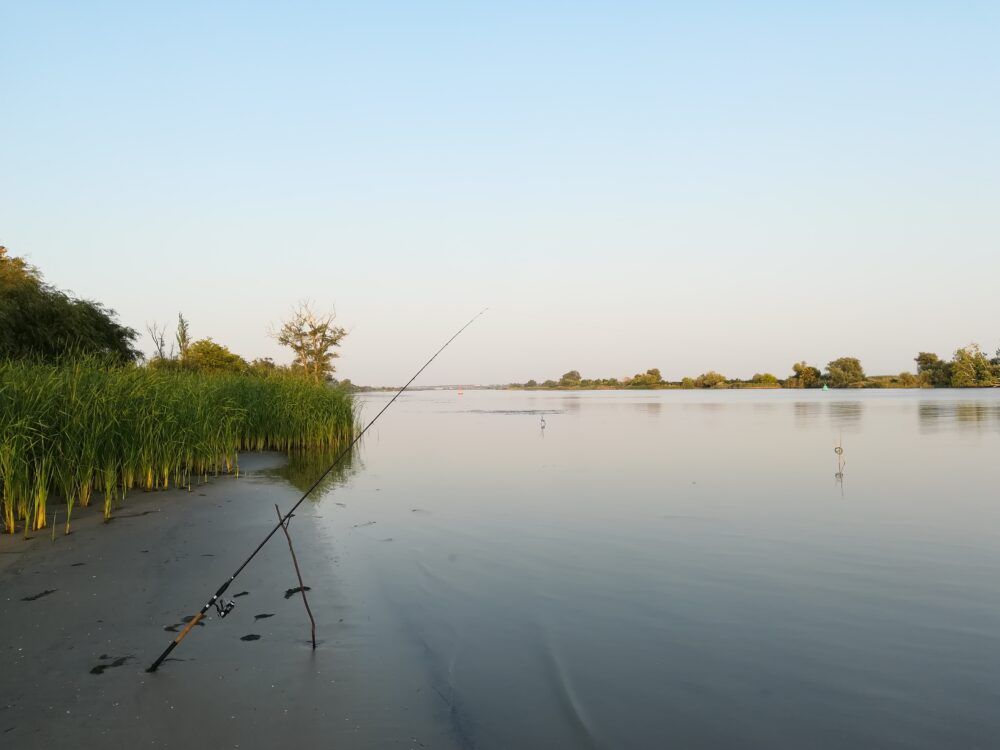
[
  {"x": 183, "y": 335},
  {"x": 159, "y": 336},
  {"x": 571, "y": 378},
  {"x": 845, "y": 372},
  {"x": 312, "y": 337},
  {"x": 647, "y": 379},
  {"x": 531, "y": 384},
  {"x": 205, "y": 354},
  {"x": 38, "y": 320},
  {"x": 932, "y": 370},
  {"x": 805, "y": 376},
  {"x": 710, "y": 379},
  {"x": 765, "y": 378},
  {"x": 263, "y": 366},
  {"x": 970, "y": 368},
  {"x": 688, "y": 383}
]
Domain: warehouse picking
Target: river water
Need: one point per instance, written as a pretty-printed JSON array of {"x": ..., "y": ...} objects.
[{"x": 685, "y": 569}]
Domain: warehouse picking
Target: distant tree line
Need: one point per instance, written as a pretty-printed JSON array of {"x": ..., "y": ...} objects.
[{"x": 969, "y": 367}]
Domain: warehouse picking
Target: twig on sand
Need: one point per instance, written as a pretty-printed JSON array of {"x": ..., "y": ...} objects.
[{"x": 295, "y": 562}]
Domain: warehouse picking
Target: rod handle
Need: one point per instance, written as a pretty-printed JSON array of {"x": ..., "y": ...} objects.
[
  {"x": 187, "y": 628},
  {"x": 173, "y": 644}
]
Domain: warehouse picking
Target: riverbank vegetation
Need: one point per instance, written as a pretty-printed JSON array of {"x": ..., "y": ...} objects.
[
  {"x": 969, "y": 367},
  {"x": 80, "y": 428},
  {"x": 83, "y": 416}
]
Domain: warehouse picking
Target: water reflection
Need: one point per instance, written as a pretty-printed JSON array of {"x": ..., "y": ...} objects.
[
  {"x": 650, "y": 408},
  {"x": 846, "y": 414},
  {"x": 627, "y": 574},
  {"x": 304, "y": 467},
  {"x": 571, "y": 404},
  {"x": 806, "y": 413},
  {"x": 976, "y": 416},
  {"x": 841, "y": 463}
]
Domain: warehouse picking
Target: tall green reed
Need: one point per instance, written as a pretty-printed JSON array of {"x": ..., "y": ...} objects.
[{"x": 79, "y": 427}]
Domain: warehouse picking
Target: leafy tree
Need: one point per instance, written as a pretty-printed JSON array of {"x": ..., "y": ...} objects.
[
  {"x": 845, "y": 372},
  {"x": 38, "y": 320},
  {"x": 805, "y": 376},
  {"x": 710, "y": 379},
  {"x": 970, "y": 368},
  {"x": 688, "y": 383},
  {"x": 263, "y": 366},
  {"x": 313, "y": 338},
  {"x": 549, "y": 384},
  {"x": 205, "y": 354},
  {"x": 647, "y": 379},
  {"x": 531, "y": 384},
  {"x": 765, "y": 378},
  {"x": 932, "y": 370},
  {"x": 571, "y": 378}
]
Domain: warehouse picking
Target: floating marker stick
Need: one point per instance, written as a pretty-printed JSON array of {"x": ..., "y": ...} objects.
[{"x": 227, "y": 606}]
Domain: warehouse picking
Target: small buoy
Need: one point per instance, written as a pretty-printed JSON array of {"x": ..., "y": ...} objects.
[
  {"x": 459, "y": 391},
  {"x": 826, "y": 387}
]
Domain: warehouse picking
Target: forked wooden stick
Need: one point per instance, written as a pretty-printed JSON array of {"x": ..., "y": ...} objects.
[{"x": 302, "y": 587}]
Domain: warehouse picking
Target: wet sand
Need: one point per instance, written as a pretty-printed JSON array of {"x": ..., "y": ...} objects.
[{"x": 82, "y": 617}]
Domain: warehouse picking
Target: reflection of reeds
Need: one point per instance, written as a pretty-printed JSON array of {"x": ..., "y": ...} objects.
[
  {"x": 306, "y": 465},
  {"x": 80, "y": 427}
]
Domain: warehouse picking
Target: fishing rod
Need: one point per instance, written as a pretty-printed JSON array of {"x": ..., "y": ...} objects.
[{"x": 224, "y": 607}]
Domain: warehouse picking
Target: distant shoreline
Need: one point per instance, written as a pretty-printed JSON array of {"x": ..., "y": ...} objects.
[{"x": 666, "y": 387}]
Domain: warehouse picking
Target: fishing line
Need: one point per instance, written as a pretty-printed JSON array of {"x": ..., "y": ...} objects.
[{"x": 224, "y": 607}]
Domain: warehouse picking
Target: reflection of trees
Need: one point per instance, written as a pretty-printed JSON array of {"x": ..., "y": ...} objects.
[
  {"x": 806, "y": 413},
  {"x": 974, "y": 412},
  {"x": 305, "y": 466},
  {"x": 652, "y": 408},
  {"x": 846, "y": 413},
  {"x": 570, "y": 403},
  {"x": 960, "y": 415}
]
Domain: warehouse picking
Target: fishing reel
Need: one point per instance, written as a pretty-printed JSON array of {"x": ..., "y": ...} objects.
[{"x": 224, "y": 607}]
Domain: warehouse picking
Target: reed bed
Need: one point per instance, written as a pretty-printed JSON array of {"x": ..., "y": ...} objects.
[{"x": 79, "y": 430}]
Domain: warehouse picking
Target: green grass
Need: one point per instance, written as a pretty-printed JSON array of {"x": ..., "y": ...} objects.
[{"x": 80, "y": 429}]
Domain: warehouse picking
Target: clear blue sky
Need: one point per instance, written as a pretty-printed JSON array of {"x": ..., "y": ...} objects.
[{"x": 732, "y": 186}]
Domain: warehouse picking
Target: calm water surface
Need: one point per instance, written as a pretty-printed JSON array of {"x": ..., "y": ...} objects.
[{"x": 684, "y": 569}]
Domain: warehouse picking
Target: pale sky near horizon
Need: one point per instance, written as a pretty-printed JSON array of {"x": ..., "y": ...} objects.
[{"x": 689, "y": 186}]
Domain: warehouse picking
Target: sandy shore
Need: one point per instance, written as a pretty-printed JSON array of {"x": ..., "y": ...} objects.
[{"x": 83, "y": 616}]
